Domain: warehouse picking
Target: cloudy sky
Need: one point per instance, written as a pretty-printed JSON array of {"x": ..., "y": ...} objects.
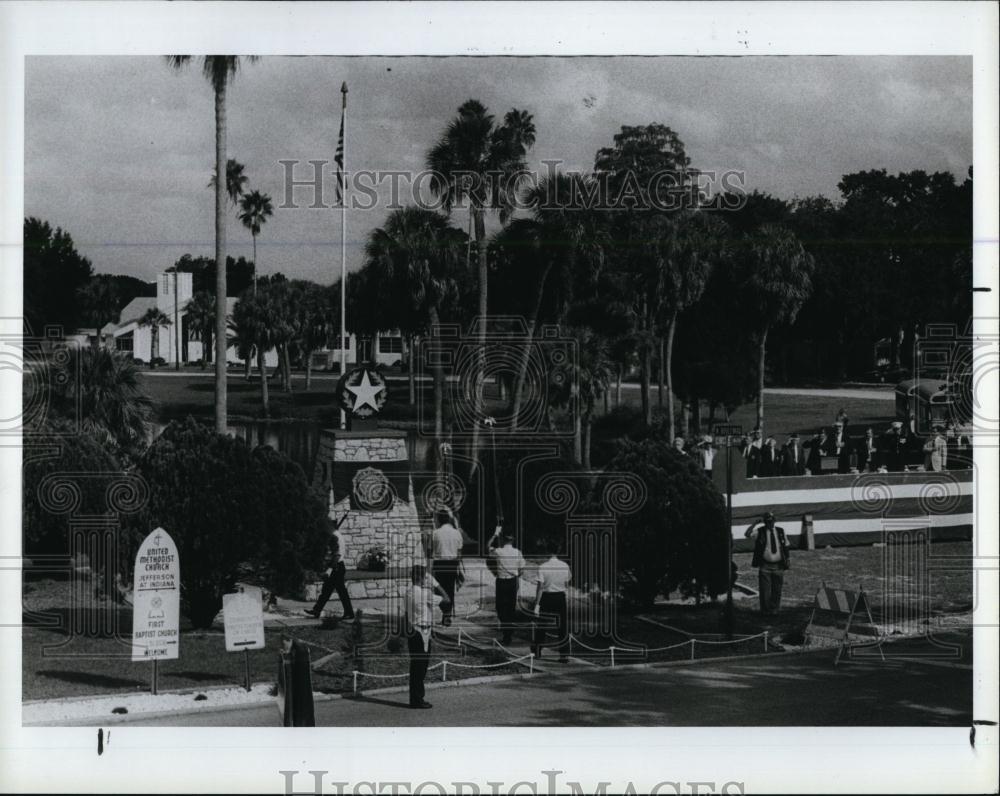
[{"x": 119, "y": 150}]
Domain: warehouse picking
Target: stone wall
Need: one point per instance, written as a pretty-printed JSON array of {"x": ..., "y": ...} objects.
[{"x": 396, "y": 530}]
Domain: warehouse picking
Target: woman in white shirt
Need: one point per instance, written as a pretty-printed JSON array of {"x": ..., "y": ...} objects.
[{"x": 554, "y": 577}]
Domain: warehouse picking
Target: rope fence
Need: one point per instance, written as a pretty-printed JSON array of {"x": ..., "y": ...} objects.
[
  {"x": 691, "y": 643},
  {"x": 443, "y": 666},
  {"x": 611, "y": 651}
]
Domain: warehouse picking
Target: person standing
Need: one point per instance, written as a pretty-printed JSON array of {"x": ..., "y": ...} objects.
[
  {"x": 509, "y": 564},
  {"x": 893, "y": 447},
  {"x": 840, "y": 446},
  {"x": 419, "y": 626},
  {"x": 334, "y": 579},
  {"x": 936, "y": 451},
  {"x": 706, "y": 454},
  {"x": 868, "y": 459},
  {"x": 550, "y": 602},
  {"x": 751, "y": 452},
  {"x": 792, "y": 457},
  {"x": 817, "y": 450},
  {"x": 446, "y": 550},
  {"x": 770, "y": 459},
  {"x": 770, "y": 556},
  {"x": 679, "y": 446}
]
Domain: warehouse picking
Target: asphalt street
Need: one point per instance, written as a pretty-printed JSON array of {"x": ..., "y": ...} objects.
[{"x": 923, "y": 682}]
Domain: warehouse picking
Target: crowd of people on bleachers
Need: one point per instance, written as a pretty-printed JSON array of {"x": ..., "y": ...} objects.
[{"x": 833, "y": 450}]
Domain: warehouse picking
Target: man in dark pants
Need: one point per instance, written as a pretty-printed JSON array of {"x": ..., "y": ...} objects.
[
  {"x": 446, "y": 549},
  {"x": 770, "y": 556},
  {"x": 509, "y": 564},
  {"x": 554, "y": 577},
  {"x": 334, "y": 580},
  {"x": 419, "y": 626}
]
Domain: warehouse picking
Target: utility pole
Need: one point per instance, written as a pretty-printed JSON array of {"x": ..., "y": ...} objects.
[{"x": 729, "y": 431}]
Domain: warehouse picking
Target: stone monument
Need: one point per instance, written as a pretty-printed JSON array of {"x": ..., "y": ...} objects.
[{"x": 365, "y": 470}]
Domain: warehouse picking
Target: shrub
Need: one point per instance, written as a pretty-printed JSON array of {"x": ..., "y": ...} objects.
[
  {"x": 225, "y": 504},
  {"x": 679, "y": 538},
  {"x": 157, "y": 362},
  {"x": 57, "y": 448}
]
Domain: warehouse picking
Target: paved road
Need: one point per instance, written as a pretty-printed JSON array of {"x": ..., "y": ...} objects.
[{"x": 918, "y": 686}]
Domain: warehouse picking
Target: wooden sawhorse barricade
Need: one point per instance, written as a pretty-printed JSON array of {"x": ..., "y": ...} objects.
[{"x": 840, "y": 603}]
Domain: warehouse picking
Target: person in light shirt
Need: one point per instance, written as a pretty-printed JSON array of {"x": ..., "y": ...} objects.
[
  {"x": 446, "y": 550},
  {"x": 508, "y": 563},
  {"x": 419, "y": 626},
  {"x": 770, "y": 556},
  {"x": 550, "y": 602}
]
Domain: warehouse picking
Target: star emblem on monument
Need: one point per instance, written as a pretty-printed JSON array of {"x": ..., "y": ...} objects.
[
  {"x": 365, "y": 392},
  {"x": 362, "y": 392}
]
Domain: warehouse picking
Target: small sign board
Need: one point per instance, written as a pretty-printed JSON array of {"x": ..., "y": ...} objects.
[
  {"x": 243, "y": 615},
  {"x": 156, "y": 606}
]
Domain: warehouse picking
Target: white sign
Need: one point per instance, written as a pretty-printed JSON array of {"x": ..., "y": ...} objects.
[
  {"x": 243, "y": 615},
  {"x": 156, "y": 599}
]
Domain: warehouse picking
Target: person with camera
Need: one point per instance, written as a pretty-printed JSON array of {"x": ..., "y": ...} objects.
[
  {"x": 419, "y": 627},
  {"x": 335, "y": 578},
  {"x": 770, "y": 556}
]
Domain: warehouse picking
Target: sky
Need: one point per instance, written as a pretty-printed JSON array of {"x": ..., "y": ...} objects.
[{"x": 119, "y": 149}]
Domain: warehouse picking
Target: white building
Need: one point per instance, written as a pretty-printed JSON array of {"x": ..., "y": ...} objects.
[{"x": 174, "y": 291}]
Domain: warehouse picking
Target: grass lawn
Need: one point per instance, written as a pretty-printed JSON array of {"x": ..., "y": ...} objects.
[
  {"x": 178, "y": 396},
  {"x": 89, "y": 665},
  {"x": 56, "y": 664}
]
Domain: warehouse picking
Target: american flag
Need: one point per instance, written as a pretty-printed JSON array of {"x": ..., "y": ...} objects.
[{"x": 339, "y": 157}]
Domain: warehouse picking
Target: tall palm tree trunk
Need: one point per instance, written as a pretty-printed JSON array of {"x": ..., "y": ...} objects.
[
  {"x": 480, "y": 229},
  {"x": 287, "y": 367},
  {"x": 522, "y": 369},
  {"x": 644, "y": 383},
  {"x": 577, "y": 432},
  {"x": 668, "y": 367},
  {"x": 220, "y": 258},
  {"x": 587, "y": 424},
  {"x": 439, "y": 386},
  {"x": 761, "y": 351},
  {"x": 253, "y": 235},
  {"x": 264, "y": 397},
  {"x": 660, "y": 379},
  {"x": 618, "y": 386},
  {"x": 410, "y": 368}
]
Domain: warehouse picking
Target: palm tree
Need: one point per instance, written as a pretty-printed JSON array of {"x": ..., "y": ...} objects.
[
  {"x": 776, "y": 279},
  {"x": 567, "y": 236},
  {"x": 155, "y": 317},
  {"x": 416, "y": 259},
  {"x": 479, "y": 161},
  {"x": 235, "y": 179},
  {"x": 200, "y": 313},
  {"x": 218, "y": 70},
  {"x": 104, "y": 391},
  {"x": 256, "y": 210},
  {"x": 256, "y": 318},
  {"x": 683, "y": 249}
]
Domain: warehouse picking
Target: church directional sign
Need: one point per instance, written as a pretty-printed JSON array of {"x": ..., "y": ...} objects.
[{"x": 362, "y": 392}]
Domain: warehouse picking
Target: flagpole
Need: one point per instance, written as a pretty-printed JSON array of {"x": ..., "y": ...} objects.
[{"x": 343, "y": 246}]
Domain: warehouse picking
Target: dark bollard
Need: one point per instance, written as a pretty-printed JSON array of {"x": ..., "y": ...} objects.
[{"x": 295, "y": 696}]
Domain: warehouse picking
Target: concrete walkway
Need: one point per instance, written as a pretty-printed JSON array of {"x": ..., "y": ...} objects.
[{"x": 919, "y": 685}]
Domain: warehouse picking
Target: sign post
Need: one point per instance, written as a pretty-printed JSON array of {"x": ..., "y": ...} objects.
[
  {"x": 156, "y": 604},
  {"x": 243, "y": 617},
  {"x": 729, "y": 430}
]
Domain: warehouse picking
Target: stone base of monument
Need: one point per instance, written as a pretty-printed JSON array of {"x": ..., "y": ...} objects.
[{"x": 393, "y": 529}]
